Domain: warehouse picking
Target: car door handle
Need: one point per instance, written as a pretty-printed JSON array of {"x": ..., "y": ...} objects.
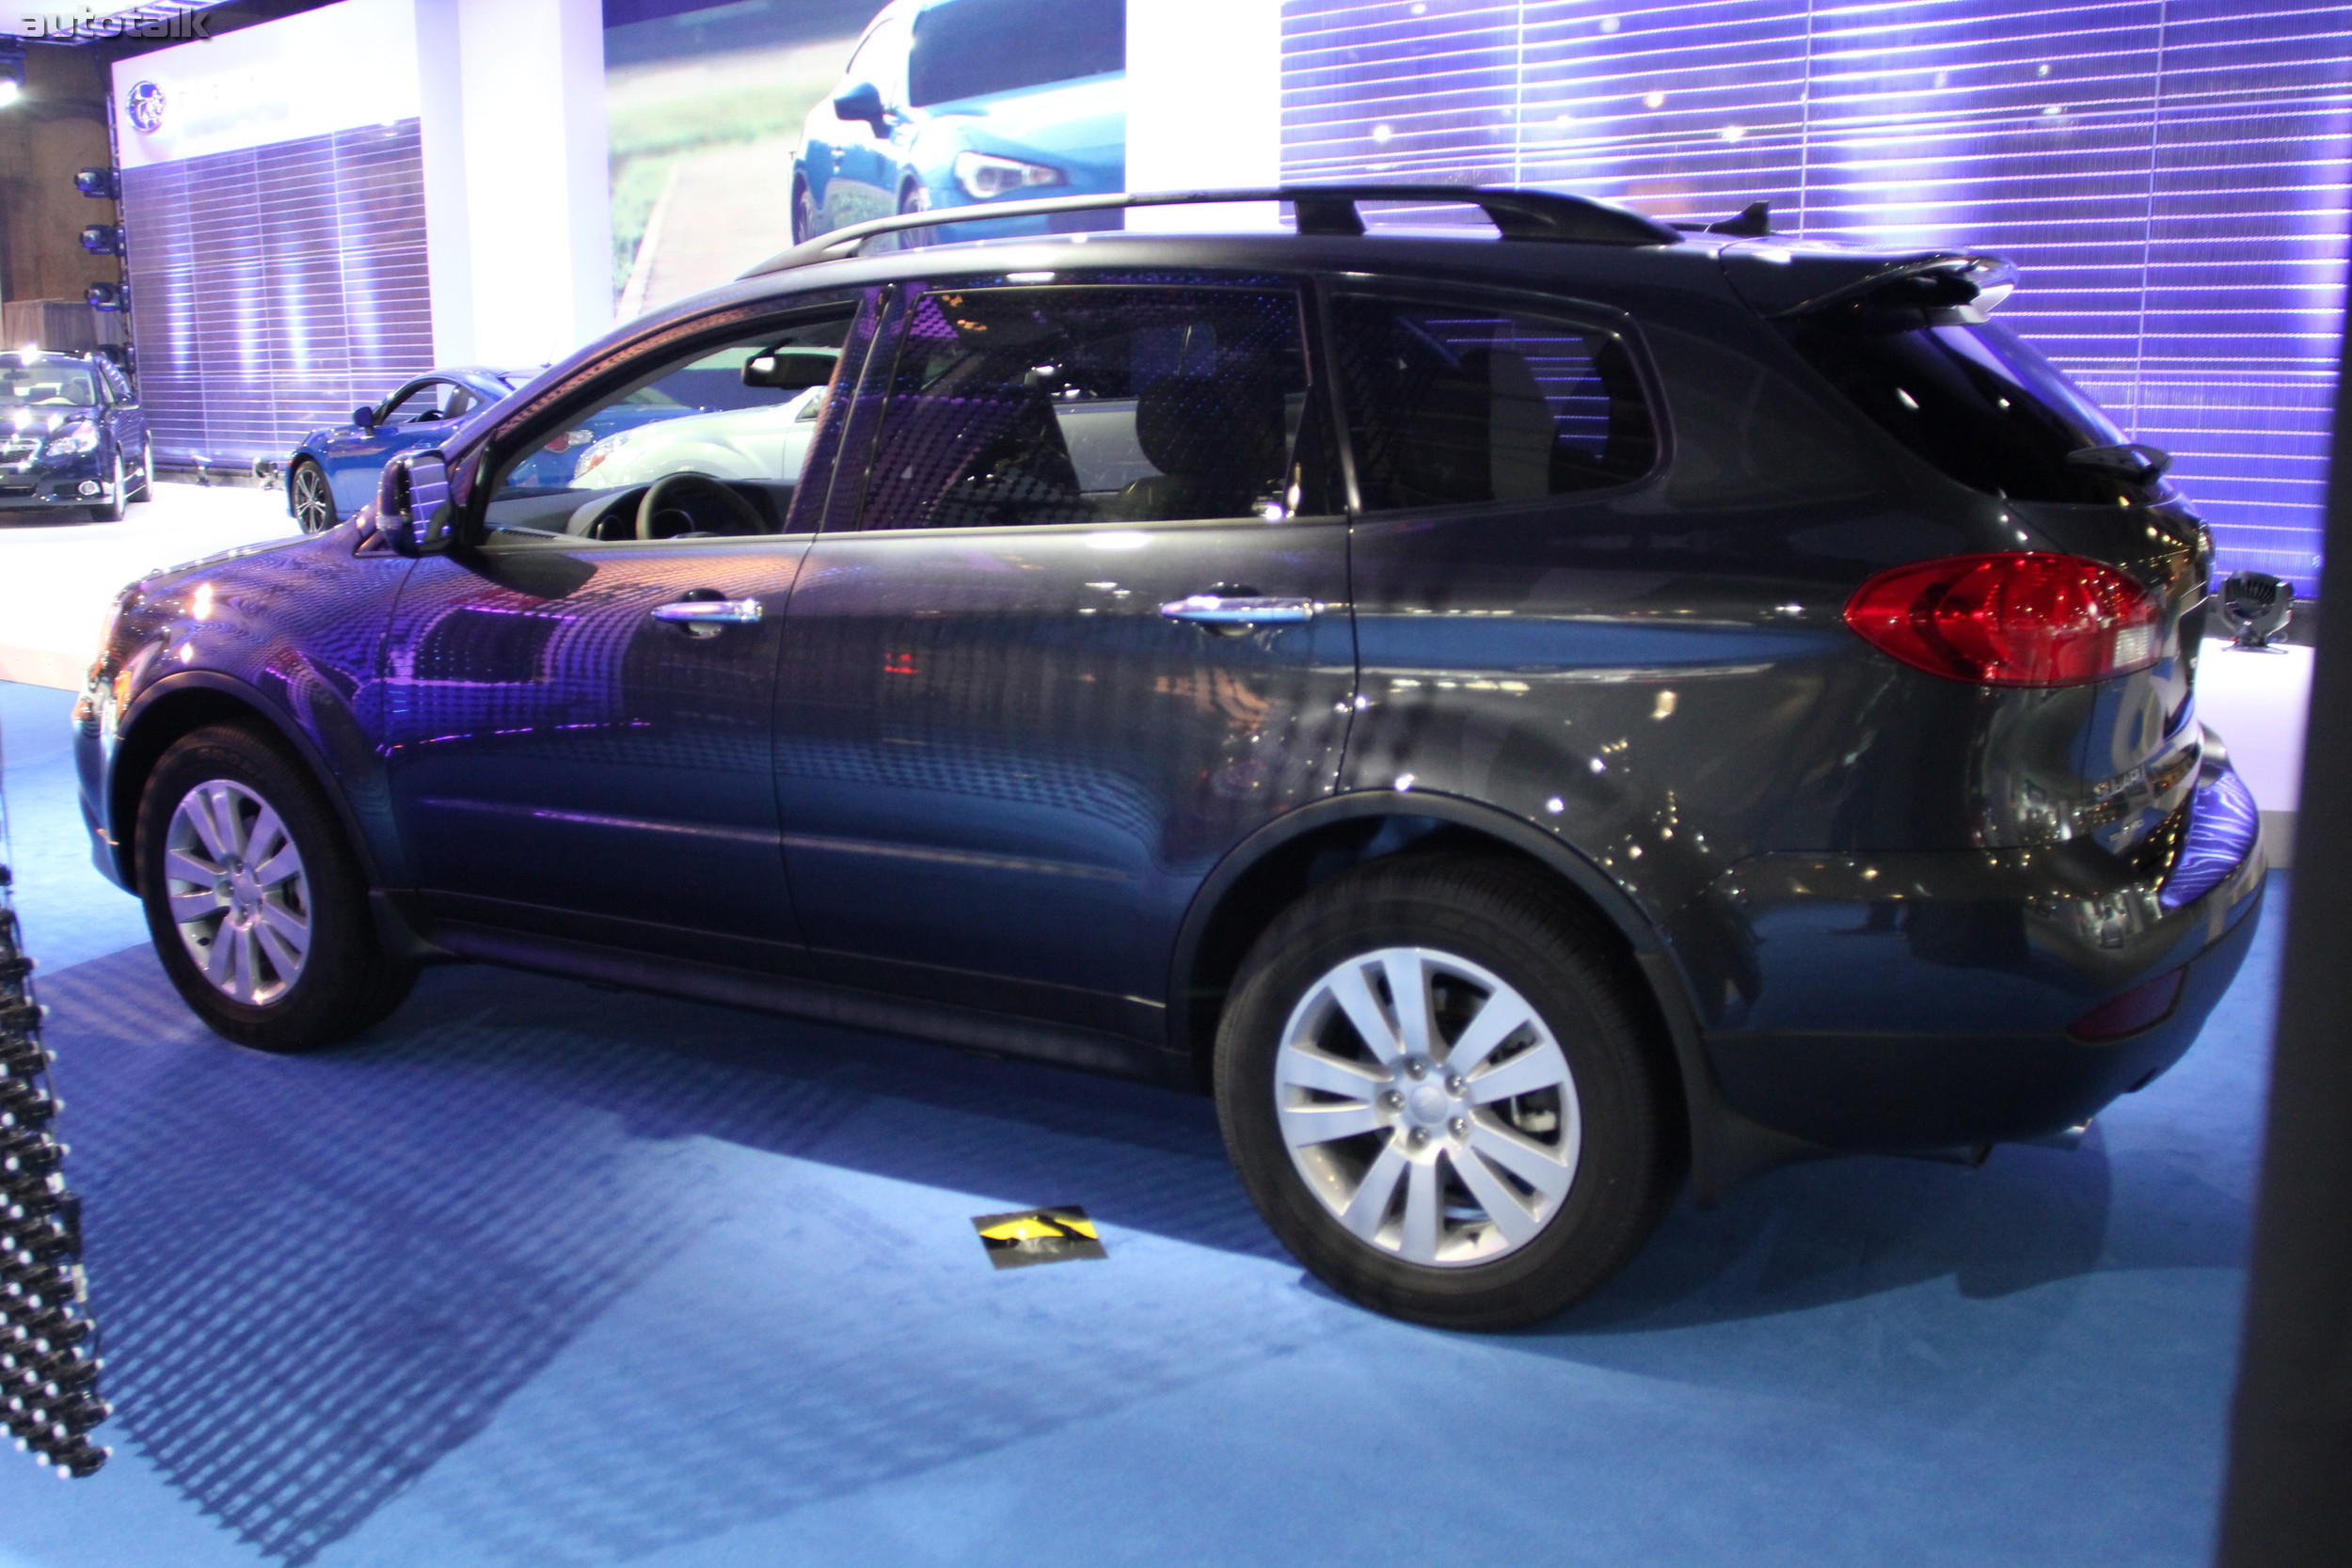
[
  {"x": 1224, "y": 609},
  {"x": 738, "y": 612}
]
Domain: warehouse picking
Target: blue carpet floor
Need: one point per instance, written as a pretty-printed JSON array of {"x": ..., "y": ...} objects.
[{"x": 542, "y": 1274}]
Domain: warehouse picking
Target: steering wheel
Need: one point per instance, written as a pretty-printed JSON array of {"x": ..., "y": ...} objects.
[{"x": 669, "y": 501}]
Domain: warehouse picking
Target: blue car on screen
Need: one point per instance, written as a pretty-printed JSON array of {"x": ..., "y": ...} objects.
[{"x": 968, "y": 103}]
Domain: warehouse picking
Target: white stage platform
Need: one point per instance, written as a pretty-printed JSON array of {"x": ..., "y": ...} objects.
[{"x": 57, "y": 577}]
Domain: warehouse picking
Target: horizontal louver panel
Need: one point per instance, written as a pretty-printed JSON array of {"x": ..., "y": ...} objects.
[
  {"x": 275, "y": 289},
  {"x": 2169, "y": 175}
]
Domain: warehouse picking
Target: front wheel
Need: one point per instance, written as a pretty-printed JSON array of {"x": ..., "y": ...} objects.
[
  {"x": 254, "y": 899},
  {"x": 803, "y": 214},
  {"x": 310, "y": 499},
  {"x": 914, "y": 199},
  {"x": 1443, "y": 1096},
  {"x": 110, "y": 510},
  {"x": 145, "y": 490}
]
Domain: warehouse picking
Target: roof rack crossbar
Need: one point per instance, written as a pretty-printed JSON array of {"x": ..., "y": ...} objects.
[{"x": 1320, "y": 210}]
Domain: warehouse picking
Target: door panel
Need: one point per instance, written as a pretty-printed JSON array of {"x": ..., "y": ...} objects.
[
  {"x": 997, "y": 757},
  {"x": 554, "y": 745},
  {"x": 1002, "y": 771}
]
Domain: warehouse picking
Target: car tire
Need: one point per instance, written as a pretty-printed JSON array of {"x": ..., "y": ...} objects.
[
  {"x": 145, "y": 489},
  {"x": 912, "y": 198},
  {"x": 111, "y": 509},
  {"x": 254, "y": 898},
  {"x": 803, "y": 214},
  {"x": 311, "y": 499},
  {"x": 1388, "y": 1182}
]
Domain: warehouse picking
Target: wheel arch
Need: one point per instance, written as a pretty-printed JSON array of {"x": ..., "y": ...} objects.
[
  {"x": 1269, "y": 870},
  {"x": 178, "y": 706}
]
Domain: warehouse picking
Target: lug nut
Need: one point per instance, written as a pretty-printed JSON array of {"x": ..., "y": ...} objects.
[
  {"x": 1416, "y": 1137},
  {"x": 1390, "y": 1100},
  {"x": 1413, "y": 1066},
  {"x": 1454, "y": 1083},
  {"x": 1459, "y": 1125}
]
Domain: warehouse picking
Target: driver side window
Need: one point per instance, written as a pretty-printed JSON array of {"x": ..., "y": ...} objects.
[
  {"x": 716, "y": 440},
  {"x": 420, "y": 405}
]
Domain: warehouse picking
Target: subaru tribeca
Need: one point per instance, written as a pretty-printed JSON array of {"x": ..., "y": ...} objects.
[{"x": 1523, "y": 716}]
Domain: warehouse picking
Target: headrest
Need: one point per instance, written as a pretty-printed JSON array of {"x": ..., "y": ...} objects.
[{"x": 1198, "y": 424}]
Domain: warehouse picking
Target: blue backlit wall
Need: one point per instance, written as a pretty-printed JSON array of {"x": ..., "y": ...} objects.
[
  {"x": 2169, "y": 173},
  {"x": 275, "y": 287}
]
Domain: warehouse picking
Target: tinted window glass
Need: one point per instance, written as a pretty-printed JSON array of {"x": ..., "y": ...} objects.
[
  {"x": 1976, "y": 401},
  {"x": 1451, "y": 404},
  {"x": 971, "y": 48},
  {"x": 1096, "y": 405}
]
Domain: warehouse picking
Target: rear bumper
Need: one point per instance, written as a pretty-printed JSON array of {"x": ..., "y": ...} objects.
[{"x": 1923, "y": 1001}]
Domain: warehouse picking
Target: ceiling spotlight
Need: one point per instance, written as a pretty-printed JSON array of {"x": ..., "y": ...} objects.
[
  {"x": 2258, "y": 606},
  {"x": 102, "y": 239},
  {"x": 97, "y": 181},
  {"x": 108, "y": 296}
]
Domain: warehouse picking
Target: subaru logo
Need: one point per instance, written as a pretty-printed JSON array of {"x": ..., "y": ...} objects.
[{"x": 145, "y": 106}]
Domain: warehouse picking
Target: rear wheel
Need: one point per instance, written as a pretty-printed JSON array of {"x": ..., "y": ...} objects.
[
  {"x": 254, "y": 899},
  {"x": 1442, "y": 1094},
  {"x": 310, "y": 498}
]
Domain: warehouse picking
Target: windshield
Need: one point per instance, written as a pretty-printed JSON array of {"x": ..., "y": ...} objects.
[
  {"x": 973, "y": 48},
  {"x": 1976, "y": 400},
  {"x": 45, "y": 384}
]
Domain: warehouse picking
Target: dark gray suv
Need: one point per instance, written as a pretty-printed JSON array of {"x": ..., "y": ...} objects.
[{"x": 1524, "y": 715}]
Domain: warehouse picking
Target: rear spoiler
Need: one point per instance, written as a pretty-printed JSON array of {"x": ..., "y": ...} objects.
[{"x": 1783, "y": 282}]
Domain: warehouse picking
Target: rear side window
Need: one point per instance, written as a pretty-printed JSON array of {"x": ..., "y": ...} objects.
[
  {"x": 1096, "y": 404},
  {"x": 976, "y": 48},
  {"x": 1451, "y": 404},
  {"x": 1976, "y": 401}
]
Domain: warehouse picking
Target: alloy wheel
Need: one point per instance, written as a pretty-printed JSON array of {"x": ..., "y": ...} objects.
[
  {"x": 238, "y": 892},
  {"x": 311, "y": 504},
  {"x": 1427, "y": 1107}
]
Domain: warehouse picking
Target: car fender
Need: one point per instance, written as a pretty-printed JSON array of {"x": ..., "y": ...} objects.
[{"x": 374, "y": 850}]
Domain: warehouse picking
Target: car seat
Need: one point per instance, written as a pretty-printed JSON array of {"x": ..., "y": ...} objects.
[
  {"x": 1479, "y": 432},
  {"x": 1216, "y": 442}
]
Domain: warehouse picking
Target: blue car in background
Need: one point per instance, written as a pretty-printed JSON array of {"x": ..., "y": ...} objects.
[
  {"x": 333, "y": 473},
  {"x": 962, "y": 102}
]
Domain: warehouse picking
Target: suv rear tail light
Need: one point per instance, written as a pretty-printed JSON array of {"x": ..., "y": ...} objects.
[{"x": 2018, "y": 619}]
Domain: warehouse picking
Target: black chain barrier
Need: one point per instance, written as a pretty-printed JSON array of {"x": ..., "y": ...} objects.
[{"x": 49, "y": 1364}]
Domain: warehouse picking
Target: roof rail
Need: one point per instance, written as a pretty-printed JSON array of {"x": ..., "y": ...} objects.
[{"x": 1320, "y": 209}]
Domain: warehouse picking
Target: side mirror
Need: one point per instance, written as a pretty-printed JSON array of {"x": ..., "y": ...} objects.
[
  {"x": 863, "y": 102},
  {"x": 791, "y": 369},
  {"x": 364, "y": 416},
  {"x": 413, "y": 511}
]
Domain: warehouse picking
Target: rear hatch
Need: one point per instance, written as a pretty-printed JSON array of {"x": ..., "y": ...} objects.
[{"x": 1910, "y": 342}]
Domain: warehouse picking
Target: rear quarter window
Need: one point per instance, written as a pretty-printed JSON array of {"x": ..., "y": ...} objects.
[
  {"x": 1975, "y": 399},
  {"x": 1457, "y": 403}
]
